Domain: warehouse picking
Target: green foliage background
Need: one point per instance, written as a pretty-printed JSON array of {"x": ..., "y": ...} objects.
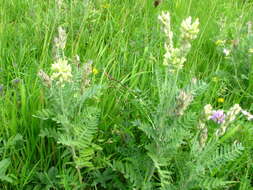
[{"x": 125, "y": 41}]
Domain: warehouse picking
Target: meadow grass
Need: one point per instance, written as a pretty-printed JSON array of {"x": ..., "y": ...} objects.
[{"x": 126, "y": 43}]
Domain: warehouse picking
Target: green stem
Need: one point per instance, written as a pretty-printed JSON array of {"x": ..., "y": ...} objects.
[
  {"x": 152, "y": 170},
  {"x": 77, "y": 168},
  {"x": 166, "y": 105}
]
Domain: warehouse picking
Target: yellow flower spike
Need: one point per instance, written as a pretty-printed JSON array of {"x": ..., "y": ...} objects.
[
  {"x": 106, "y": 6},
  {"x": 221, "y": 100},
  {"x": 220, "y": 42},
  {"x": 94, "y": 71},
  {"x": 251, "y": 50},
  {"x": 215, "y": 79}
]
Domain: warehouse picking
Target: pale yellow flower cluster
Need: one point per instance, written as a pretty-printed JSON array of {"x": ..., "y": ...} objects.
[
  {"x": 60, "y": 68},
  {"x": 61, "y": 71},
  {"x": 165, "y": 19},
  {"x": 189, "y": 30},
  {"x": 208, "y": 111},
  {"x": 175, "y": 57}
]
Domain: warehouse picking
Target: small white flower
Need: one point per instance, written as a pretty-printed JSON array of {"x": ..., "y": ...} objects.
[
  {"x": 194, "y": 81},
  {"x": 226, "y": 52},
  {"x": 247, "y": 114}
]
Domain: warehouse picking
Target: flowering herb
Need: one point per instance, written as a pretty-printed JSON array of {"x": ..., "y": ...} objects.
[
  {"x": 218, "y": 116},
  {"x": 1, "y": 89},
  {"x": 16, "y": 82},
  {"x": 226, "y": 52},
  {"x": 247, "y": 114},
  {"x": 184, "y": 99},
  {"x": 61, "y": 71},
  {"x": 175, "y": 57},
  {"x": 221, "y": 100}
]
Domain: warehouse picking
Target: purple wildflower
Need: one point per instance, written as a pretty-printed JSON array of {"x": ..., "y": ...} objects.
[
  {"x": 218, "y": 116},
  {"x": 15, "y": 82},
  {"x": 1, "y": 90}
]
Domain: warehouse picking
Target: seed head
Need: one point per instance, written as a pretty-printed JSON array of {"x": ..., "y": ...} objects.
[
  {"x": 184, "y": 100},
  {"x": 45, "y": 78},
  {"x": 233, "y": 112},
  {"x": 208, "y": 111}
]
